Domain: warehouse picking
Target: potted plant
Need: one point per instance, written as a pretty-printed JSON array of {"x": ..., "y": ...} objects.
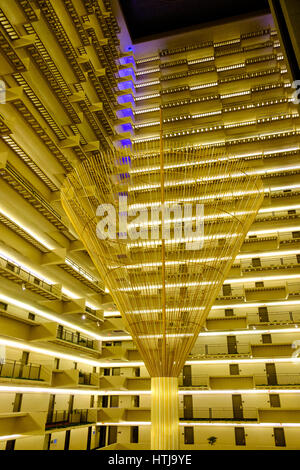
[{"x": 212, "y": 440}]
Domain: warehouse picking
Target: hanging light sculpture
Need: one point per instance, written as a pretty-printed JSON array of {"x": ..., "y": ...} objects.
[{"x": 163, "y": 269}]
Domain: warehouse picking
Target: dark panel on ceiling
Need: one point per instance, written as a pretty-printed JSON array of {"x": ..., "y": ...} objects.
[{"x": 146, "y": 18}]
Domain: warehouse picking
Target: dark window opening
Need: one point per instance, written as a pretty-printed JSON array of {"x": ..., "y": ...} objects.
[
  {"x": 189, "y": 435},
  {"x": 134, "y": 434},
  {"x": 234, "y": 369}
]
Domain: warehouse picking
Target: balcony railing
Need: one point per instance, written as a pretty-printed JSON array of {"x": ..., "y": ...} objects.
[
  {"x": 65, "y": 418},
  {"x": 10, "y": 268},
  {"x": 199, "y": 381},
  {"x": 75, "y": 338},
  {"x": 290, "y": 317},
  {"x": 260, "y": 380},
  {"x": 221, "y": 349},
  {"x": 218, "y": 414},
  {"x": 280, "y": 380},
  {"x": 269, "y": 262},
  {"x": 20, "y": 370},
  {"x": 85, "y": 379}
]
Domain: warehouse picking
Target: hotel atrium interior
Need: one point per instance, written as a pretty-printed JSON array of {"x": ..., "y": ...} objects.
[{"x": 165, "y": 343}]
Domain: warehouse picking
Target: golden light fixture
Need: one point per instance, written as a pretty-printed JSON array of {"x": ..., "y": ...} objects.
[{"x": 151, "y": 268}]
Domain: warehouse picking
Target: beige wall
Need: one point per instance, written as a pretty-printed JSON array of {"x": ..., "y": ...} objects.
[
  {"x": 7, "y": 402},
  {"x": 30, "y": 443},
  {"x": 78, "y": 439}
]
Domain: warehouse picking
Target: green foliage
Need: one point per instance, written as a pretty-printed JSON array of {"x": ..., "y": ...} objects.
[{"x": 212, "y": 440}]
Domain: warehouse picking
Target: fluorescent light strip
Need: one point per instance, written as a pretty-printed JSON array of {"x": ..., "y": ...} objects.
[
  {"x": 10, "y": 437},
  {"x": 146, "y": 97},
  {"x": 48, "y": 316},
  {"x": 254, "y": 137},
  {"x": 189, "y": 62},
  {"x": 230, "y": 67},
  {"x": 264, "y": 278},
  {"x": 206, "y": 85},
  {"x": 234, "y": 125},
  {"x": 48, "y": 352},
  {"x": 184, "y": 164},
  {"x": 140, "y": 85},
  {"x": 144, "y": 72},
  {"x": 54, "y": 353},
  {"x": 246, "y": 305},
  {"x": 233, "y": 108},
  {"x": 205, "y": 260},
  {"x": 246, "y": 332},
  {"x": 211, "y": 84},
  {"x": 69, "y": 391},
  {"x": 213, "y": 196},
  {"x": 155, "y": 243},
  {"x": 242, "y": 280},
  {"x": 148, "y": 110},
  {"x": 257, "y": 304},
  {"x": 214, "y": 178},
  {"x": 185, "y": 219},
  {"x": 27, "y": 230},
  {"x": 193, "y": 423},
  {"x": 149, "y": 59}
]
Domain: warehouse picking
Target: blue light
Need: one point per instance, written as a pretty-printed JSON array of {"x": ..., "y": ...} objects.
[
  {"x": 126, "y": 85},
  {"x": 126, "y": 99},
  {"x": 121, "y": 113},
  {"x": 126, "y": 127},
  {"x": 127, "y": 72},
  {"x": 127, "y": 60},
  {"x": 126, "y": 143}
]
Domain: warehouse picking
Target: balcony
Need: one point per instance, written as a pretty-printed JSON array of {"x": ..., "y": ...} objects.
[
  {"x": 277, "y": 380},
  {"x": 19, "y": 275},
  {"x": 74, "y": 338},
  {"x": 274, "y": 318},
  {"x": 221, "y": 350},
  {"x": 218, "y": 414},
  {"x": 91, "y": 379},
  {"x": 270, "y": 263},
  {"x": 20, "y": 371},
  {"x": 195, "y": 381},
  {"x": 22, "y": 423},
  {"x": 65, "y": 418},
  {"x": 272, "y": 350}
]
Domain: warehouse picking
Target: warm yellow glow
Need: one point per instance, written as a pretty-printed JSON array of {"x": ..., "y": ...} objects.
[
  {"x": 242, "y": 195},
  {"x": 49, "y": 352},
  {"x": 10, "y": 437},
  {"x": 48, "y": 316},
  {"x": 7, "y": 256},
  {"x": 76, "y": 391},
  {"x": 195, "y": 162},
  {"x": 210, "y": 423},
  {"x": 244, "y": 305},
  {"x": 36, "y": 236},
  {"x": 164, "y": 413}
]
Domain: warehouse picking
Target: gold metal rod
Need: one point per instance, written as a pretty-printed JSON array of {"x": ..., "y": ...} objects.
[{"x": 163, "y": 253}]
